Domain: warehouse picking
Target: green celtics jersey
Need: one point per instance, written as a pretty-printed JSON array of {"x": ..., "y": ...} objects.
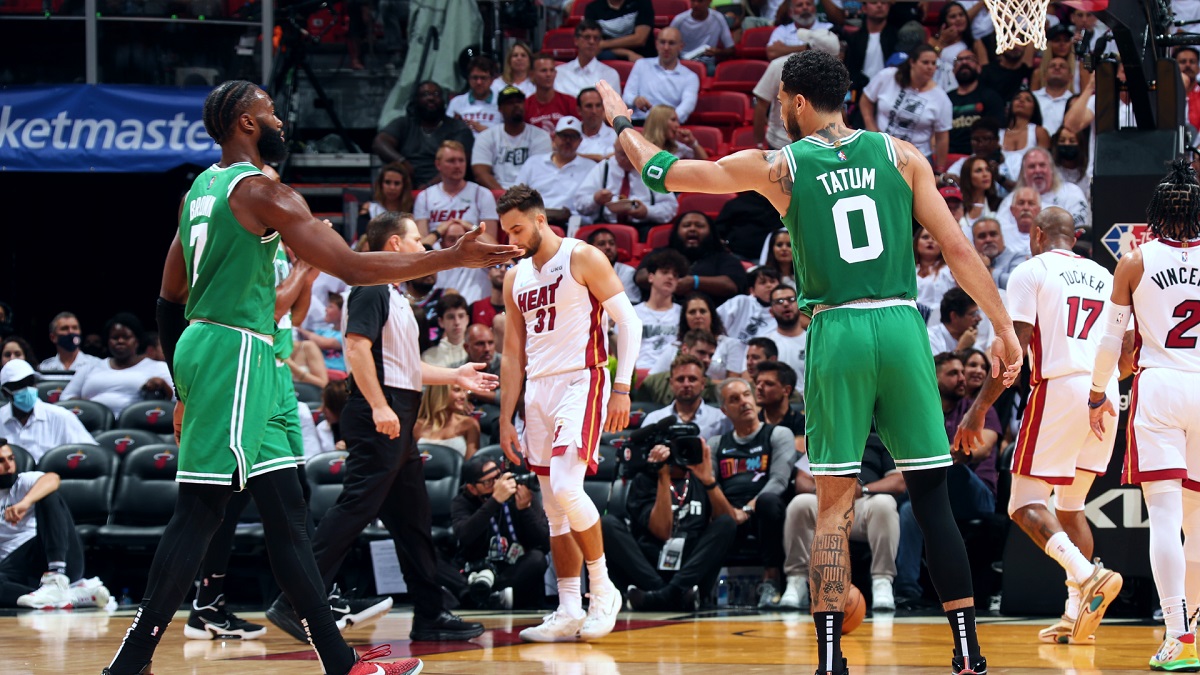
[
  {"x": 283, "y": 327},
  {"x": 850, "y": 219},
  {"x": 230, "y": 270}
]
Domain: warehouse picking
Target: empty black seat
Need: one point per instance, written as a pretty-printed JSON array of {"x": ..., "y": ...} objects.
[
  {"x": 154, "y": 416},
  {"x": 87, "y": 473},
  {"x": 96, "y": 417},
  {"x": 124, "y": 441},
  {"x": 144, "y": 499},
  {"x": 325, "y": 473}
]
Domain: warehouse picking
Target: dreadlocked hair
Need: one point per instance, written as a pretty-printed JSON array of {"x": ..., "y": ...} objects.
[
  {"x": 224, "y": 104},
  {"x": 1174, "y": 210}
]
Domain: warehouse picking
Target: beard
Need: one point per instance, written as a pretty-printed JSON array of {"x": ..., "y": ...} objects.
[
  {"x": 966, "y": 76},
  {"x": 534, "y": 244},
  {"x": 517, "y": 117},
  {"x": 271, "y": 148},
  {"x": 792, "y": 125},
  {"x": 431, "y": 114},
  {"x": 788, "y": 324}
]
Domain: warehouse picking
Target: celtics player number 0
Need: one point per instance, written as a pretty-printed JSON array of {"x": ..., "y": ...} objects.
[
  {"x": 199, "y": 237},
  {"x": 841, "y": 223}
]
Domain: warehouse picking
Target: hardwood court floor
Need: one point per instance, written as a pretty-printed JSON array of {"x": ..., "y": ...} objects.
[{"x": 643, "y": 644}]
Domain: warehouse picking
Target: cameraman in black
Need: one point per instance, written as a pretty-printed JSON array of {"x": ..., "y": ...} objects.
[
  {"x": 503, "y": 537},
  {"x": 680, "y": 526}
]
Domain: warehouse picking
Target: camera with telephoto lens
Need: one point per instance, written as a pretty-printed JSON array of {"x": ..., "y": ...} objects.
[
  {"x": 522, "y": 476},
  {"x": 683, "y": 439}
]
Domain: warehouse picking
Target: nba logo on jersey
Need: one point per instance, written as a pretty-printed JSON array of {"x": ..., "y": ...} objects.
[{"x": 841, "y": 156}]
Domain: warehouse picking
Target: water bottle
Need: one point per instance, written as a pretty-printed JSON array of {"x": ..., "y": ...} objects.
[
  {"x": 125, "y": 600},
  {"x": 723, "y": 589}
]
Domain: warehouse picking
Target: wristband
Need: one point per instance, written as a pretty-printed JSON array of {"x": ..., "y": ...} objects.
[
  {"x": 710, "y": 486},
  {"x": 621, "y": 123},
  {"x": 618, "y": 392},
  {"x": 654, "y": 173},
  {"x": 1096, "y": 404},
  {"x": 696, "y": 281}
]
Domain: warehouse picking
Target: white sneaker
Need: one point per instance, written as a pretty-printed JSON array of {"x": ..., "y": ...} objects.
[
  {"x": 603, "y": 608},
  {"x": 795, "y": 596},
  {"x": 882, "y": 599},
  {"x": 556, "y": 627},
  {"x": 87, "y": 593},
  {"x": 52, "y": 594}
]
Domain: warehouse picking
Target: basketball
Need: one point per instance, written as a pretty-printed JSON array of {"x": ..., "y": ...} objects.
[{"x": 856, "y": 610}]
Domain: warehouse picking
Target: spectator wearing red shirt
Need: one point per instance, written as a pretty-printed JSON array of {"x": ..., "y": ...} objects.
[
  {"x": 484, "y": 310},
  {"x": 546, "y": 107}
]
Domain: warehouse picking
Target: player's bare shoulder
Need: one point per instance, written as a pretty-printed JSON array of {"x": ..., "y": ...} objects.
[
  {"x": 586, "y": 262},
  {"x": 1129, "y": 270},
  {"x": 257, "y": 201}
]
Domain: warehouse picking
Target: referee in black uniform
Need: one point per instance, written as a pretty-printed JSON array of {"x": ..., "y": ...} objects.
[{"x": 384, "y": 476}]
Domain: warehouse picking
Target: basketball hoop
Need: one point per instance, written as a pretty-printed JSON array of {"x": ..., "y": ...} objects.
[{"x": 1019, "y": 22}]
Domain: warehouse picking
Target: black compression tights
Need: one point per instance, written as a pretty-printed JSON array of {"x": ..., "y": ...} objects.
[
  {"x": 947, "y": 555},
  {"x": 198, "y": 514}
]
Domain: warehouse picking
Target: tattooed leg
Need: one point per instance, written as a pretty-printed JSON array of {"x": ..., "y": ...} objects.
[
  {"x": 1037, "y": 522},
  {"x": 829, "y": 569}
]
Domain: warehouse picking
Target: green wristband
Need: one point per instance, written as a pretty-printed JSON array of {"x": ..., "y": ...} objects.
[{"x": 654, "y": 173}]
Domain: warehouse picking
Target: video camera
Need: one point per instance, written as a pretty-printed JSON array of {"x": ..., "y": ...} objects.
[{"x": 682, "y": 438}]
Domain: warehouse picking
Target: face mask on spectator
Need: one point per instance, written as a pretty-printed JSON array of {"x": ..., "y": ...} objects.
[
  {"x": 23, "y": 399},
  {"x": 1066, "y": 152},
  {"x": 69, "y": 341},
  {"x": 7, "y": 480}
]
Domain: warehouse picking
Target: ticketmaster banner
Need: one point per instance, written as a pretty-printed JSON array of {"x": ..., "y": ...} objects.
[{"x": 103, "y": 128}]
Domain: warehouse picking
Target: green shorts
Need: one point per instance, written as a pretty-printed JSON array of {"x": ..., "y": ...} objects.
[
  {"x": 864, "y": 363},
  {"x": 232, "y": 422},
  {"x": 290, "y": 409}
]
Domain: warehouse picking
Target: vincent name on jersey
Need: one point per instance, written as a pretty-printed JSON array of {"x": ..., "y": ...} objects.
[
  {"x": 848, "y": 179},
  {"x": 538, "y": 297},
  {"x": 1077, "y": 277},
  {"x": 1172, "y": 277}
]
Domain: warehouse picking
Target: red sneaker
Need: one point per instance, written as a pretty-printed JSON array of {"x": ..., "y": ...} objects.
[{"x": 404, "y": 667}]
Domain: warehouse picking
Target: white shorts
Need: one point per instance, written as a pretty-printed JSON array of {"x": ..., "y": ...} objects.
[
  {"x": 1164, "y": 428},
  {"x": 1056, "y": 439},
  {"x": 562, "y": 411}
]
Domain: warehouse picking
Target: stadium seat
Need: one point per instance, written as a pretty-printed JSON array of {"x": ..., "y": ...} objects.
[
  {"x": 737, "y": 75},
  {"x": 576, "y": 14},
  {"x": 560, "y": 43},
  {"x": 599, "y": 485},
  {"x": 443, "y": 472},
  {"x": 144, "y": 499},
  {"x": 617, "y": 498},
  {"x": 157, "y": 417},
  {"x": 325, "y": 473},
  {"x": 96, "y": 417},
  {"x": 309, "y": 393},
  {"x": 50, "y": 390},
  {"x": 638, "y": 411},
  {"x": 729, "y": 109},
  {"x": 124, "y": 441},
  {"x": 742, "y": 139},
  {"x": 710, "y": 139},
  {"x": 699, "y": 69},
  {"x": 23, "y": 459},
  {"x": 753, "y": 44},
  {"x": 622, "y": 67},
  {"x": 626, "y": 235},
  {"x": 658, "y": 236},
  {"x": 665, "y": 10},
  {"x": 87, "y": 473},
  {"x": 709, "y": 205}
]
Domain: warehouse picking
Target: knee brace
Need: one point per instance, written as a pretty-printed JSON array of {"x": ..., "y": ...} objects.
[
  {"x": 1073, "y": 497},
  {"x": 559, "y": 525},
  {"x": 566, "y": 481},
  {"x": 1028, "y": 491}
]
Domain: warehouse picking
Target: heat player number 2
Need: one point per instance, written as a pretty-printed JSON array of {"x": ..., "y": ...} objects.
[{"x": 545, "y": 320}]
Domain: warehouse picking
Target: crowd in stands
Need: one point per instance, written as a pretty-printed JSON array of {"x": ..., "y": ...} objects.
[{"x": 724, "y": 333}]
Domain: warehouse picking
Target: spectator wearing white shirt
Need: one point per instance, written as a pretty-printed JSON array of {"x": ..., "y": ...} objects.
[
  {"x": 477, "y": 107},
  {"x": 1017, "y": 219},
  {"x": 989, "y": 242},
  {"x": 67, "y": 336},
  {"x": 663, "y": 80},
  {"x": 790, "y": 334},
  {"x": 784, "y": 40},
  {"x": 962, "y": 325},
  {"x": 393, "y": 191},
  {"x": 555, "y": 175},
  {"x": 598, "y": 137},
  {"x": 127, "y": 375},
  {"x": 586, "y": 70},
  {"x": 907, "y": 103},
  {"x": 471, "y": 283},
  {"x": 603, "y": 239},
  {"x": 454, "y": 199},
  {"x": 616, "y": 179},
  {"x": 749, "y": 316},
  {"x": 517, "y": 69},
  {"x": 1053, "y": 98},
  {"x": 500, "y": 151},
  {"x": 30, "y": 422},
  {"x": 933, "y": 274},
  {"x": 1038, "y": 172},
  {"x": 704, "y": 29},
  {"x": 660, "y": 313}
]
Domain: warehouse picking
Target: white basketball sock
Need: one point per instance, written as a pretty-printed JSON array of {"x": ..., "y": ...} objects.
[
  {"x": 598, "y": 575},
  {"x": 1072, "y": 607},
  {"x": 1065, "y": 553},
  {"x": 570, "y": 602}
]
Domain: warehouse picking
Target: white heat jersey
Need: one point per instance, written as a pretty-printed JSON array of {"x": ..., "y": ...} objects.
[
  {"x": 1063, "y": 296},
  {"x": 1166, "y": 306},
  {"x": 564, "y": 322}
]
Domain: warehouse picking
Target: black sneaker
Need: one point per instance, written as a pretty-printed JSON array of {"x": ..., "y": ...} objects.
[
  {"x": 281, "y": 614},
  {"x": 443, "y": 627},
  {"x": 978, "y": 666},
  {"x": 214, "y": 622},
  {"x": 844, "y": 670},
  {"x": 357, "y": 612},
  {"x": 144, "y": 671}
]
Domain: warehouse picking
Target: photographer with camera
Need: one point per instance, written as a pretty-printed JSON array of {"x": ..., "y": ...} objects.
[
  {"x": 680, "y": 524},
  {"x": 503, "y": 536}
]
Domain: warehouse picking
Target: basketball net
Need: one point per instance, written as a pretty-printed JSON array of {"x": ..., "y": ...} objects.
[{"x": 1019, "y": 22}]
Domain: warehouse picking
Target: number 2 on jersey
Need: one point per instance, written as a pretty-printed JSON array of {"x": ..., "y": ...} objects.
[
  {"x": 1189, "y": 311},
  {"x": 1093, "y": 309},
  {"x": 199, "y": 237},
  {"x": 542, "y": 325}
]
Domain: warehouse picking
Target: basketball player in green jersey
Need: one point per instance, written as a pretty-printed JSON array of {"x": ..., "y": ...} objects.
[
  {"x": 221, "y": 264},
  {"x": 849, "y": 198}
]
